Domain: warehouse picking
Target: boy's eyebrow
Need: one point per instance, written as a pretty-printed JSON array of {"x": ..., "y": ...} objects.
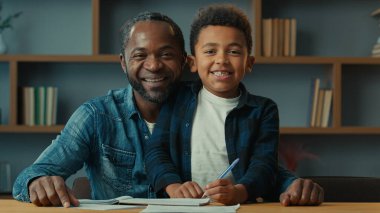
[{"x": 211, "y": 44}]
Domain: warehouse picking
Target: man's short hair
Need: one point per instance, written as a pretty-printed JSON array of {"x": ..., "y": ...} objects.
[
  {"x": 126, "y": 28},
  {"x": 220, "y": 15}
]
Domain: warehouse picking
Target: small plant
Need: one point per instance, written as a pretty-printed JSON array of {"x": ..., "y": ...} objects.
[{"x": 7, "y": 22}]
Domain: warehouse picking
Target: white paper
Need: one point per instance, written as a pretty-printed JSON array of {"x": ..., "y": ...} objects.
[
  {"x": 105, "y": 207},
  {"x": 166, "y": 201},
  {"x": 109, "y": 201},
  {"x": 185, "y": 209}
]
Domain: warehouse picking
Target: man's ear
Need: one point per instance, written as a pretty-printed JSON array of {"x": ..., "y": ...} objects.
[
  {"x": 250, "y": 62},
  {"x": 192, "y": 63},
  {"x": 123, "y": 63}
]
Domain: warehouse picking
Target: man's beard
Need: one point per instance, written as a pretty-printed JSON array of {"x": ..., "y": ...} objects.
[{"x": 159, "y": 97}]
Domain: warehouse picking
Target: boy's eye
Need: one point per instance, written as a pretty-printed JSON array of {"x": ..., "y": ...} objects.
[
  {"x": 209, "y": 52},
  {"x": 234, "y": 52}
]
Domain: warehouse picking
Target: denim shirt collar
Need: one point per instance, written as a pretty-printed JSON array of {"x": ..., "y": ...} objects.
[{"x": 131, "y": 107}]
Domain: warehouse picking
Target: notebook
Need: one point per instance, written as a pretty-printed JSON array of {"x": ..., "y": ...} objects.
[{"x": 128, "y": 200}]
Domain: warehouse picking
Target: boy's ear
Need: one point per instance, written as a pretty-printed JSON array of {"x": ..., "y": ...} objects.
[
  {"x": 250, "y": 62},
  {"x": 192, "y": 63}
]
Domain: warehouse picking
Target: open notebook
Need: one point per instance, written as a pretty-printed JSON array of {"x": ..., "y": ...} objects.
[{"x": 128, "y": 200}]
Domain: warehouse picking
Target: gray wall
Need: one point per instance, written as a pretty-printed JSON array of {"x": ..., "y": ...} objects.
[{"x": 64, "y": 27}]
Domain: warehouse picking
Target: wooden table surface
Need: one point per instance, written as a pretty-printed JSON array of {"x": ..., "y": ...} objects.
[{"x": 13, "y": 206}]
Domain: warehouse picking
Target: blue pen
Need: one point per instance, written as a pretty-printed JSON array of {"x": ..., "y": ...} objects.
[{"x": 233, "y": 164}]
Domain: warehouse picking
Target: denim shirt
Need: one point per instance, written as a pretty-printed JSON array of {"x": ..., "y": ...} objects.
[
  {"x": 251, "y": 134},
  {"x": 107, "y": 135}
]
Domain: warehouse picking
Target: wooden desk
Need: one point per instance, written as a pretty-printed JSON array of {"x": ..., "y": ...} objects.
[{"x": 16, "y": 207}]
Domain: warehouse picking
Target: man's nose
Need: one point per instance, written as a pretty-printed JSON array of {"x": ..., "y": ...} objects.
[{"x": 152, "y": 63}]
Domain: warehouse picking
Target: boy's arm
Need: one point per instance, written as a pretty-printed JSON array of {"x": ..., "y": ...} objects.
[
  {"x": 161, "y": 171},
  {"x": 63, "y": 157},
  {"x": 260, "y": 178}
]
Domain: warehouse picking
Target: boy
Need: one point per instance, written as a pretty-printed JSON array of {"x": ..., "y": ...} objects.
[{"x": 212, "y": 125}]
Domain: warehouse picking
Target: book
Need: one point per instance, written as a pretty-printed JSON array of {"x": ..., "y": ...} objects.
[
  {"x": 55, "y": 105},
  {"x": 281, "y": 26},
  {"x": 275, "y": 37},
  {"x": 316, "y": 84},
  {"x": 326, "y": 108},
  {"x": 42, "y": 105},
  {"x": 286, "y": 37},
  {"x": 190, "y": 209},
  {"x": 293, "y": 36},
  {"x": 318, "y": 116},
  {"x": 49, "y": 105},
  {"x": 267, "y": 37}
]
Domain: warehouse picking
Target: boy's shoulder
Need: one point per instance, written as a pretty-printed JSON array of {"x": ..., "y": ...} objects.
[{"x": 255, "y": 100}]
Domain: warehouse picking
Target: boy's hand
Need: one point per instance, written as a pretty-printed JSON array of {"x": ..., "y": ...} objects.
[
  {"x": 51, "y": 191},
  {"x": 223, "y": 191},
  {"x": 188, "y": 189},
  {"x": 302, "y": 192}
]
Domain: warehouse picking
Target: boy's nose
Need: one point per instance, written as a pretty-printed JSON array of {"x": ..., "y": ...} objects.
[{"x": 221, "y": 59}]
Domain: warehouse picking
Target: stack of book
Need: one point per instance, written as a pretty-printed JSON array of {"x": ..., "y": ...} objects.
[
  {"x": 376, "y": 47},
  {"x": 279, "y": 37},
  {"x": 40, "y": 106},
  {"x": 321, "y": 102}
]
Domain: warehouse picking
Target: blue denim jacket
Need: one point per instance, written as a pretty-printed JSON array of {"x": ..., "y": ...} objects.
[{"x": 107, "y": 135}]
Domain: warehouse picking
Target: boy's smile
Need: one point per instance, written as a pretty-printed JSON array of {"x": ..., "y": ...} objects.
[{"x": 221, "y": 59}]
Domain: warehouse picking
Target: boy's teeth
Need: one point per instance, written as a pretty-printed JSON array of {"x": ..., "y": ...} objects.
[
  {"x": 221, "y": 73},
  {"x": 154, "y": 79}
]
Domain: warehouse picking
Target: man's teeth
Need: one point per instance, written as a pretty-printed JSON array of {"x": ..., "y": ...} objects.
[
  {"x": 154, "y": 79},
  {"x": 221, "y": 73}
]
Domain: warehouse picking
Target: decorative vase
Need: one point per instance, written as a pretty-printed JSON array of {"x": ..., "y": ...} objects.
[{"x": 3, "y": 46}]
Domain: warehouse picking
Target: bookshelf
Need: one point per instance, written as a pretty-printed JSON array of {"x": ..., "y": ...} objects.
[
  {"x": 84, "y": 61},
  {"x": 351, "y": 72}
]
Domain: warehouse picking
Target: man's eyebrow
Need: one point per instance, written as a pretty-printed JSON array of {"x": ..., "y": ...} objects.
[
  {"x": 168, "y": 46},
  {"x": 137, "y": 49}
]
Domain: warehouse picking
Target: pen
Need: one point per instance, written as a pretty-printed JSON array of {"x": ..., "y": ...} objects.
[{"x": 233, "y": 164}]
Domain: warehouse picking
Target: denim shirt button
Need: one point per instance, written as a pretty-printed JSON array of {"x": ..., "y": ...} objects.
[
  {"x": 187, "y": 124},
  {"x": 146, "y": 137}
]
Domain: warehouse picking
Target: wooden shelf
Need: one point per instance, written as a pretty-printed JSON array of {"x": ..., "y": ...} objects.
[
  {"x": 330, "y": 131},
  {"x": 30, "y": 129},
  {"x": 317, "y": 60},
  {"x": 60, "y": 58}
]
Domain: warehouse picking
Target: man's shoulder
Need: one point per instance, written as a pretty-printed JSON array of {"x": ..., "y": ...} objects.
[{"x": 111, "y": 102}]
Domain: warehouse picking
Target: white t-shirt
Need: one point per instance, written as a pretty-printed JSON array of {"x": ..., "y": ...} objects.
[{"x": 208, "y": 147}]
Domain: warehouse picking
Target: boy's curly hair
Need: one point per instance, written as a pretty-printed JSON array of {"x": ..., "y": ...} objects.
[{"x": 220, "y": 15}]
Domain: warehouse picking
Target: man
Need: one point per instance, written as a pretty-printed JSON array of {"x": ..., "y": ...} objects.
[{"x": 108, "y": 134}]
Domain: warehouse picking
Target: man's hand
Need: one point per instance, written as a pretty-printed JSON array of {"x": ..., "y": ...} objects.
[
  {"x": 302, "y": 192},
  {"x": 51, "y": 191},
  {"x": 188, "y": 189},
  {"x": 223, "y": 191}
]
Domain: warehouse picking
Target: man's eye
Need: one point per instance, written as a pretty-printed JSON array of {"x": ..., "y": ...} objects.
[
  {"x": 138, "y": 56},
  {"x": 167, "y": 55}
]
